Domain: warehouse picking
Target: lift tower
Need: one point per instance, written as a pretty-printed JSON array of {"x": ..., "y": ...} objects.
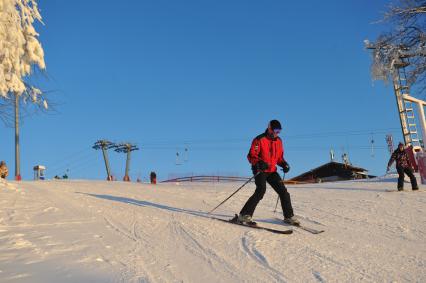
[
  {"x": 404, "y": 101},
  {"x": 105, "y": 145},
  {"x": 126, "y": 148}
]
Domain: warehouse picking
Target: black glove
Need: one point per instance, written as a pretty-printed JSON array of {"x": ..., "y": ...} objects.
[
  {"x": 259, "y": 167},
  {"x": 262, "y": 165},
  {"x": 285, "y": 166}
]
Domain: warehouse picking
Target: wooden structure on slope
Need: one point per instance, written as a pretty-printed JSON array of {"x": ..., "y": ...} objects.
[{"x": 331, "y": 172}]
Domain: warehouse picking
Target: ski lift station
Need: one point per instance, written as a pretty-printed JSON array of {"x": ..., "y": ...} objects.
[{"x": 39, "y": 172}]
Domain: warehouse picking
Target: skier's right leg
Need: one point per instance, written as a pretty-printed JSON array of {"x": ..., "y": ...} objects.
[
  {"x": 400, "y": 171},
  {"x": 413, "y": 180},
  {"x": 277, "y": 184},
  {"x": 250, "y": 206}
]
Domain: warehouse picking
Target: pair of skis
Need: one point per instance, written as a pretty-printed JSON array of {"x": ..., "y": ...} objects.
[
  {"x": 305, "y": 228},
  {"x": 272, "y": 230},
  {"x": 410, "y": 190}
]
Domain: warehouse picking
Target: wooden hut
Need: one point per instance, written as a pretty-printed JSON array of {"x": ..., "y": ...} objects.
[{"x": 331, "y": 172}]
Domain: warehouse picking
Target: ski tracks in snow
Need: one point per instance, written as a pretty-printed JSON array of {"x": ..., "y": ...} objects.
[
  {"x": 248, "y": 246},
  {"x": 196, "y": 245},
  {"x": 132, "y": 265},
  {"x": 181, "y": 250},
  {"x": 191, "y": 252}
]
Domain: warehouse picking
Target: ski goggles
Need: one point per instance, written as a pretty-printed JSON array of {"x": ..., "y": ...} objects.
[{"x": 277, "y": 131}]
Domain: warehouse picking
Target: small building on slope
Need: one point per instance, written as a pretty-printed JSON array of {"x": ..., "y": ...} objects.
[{"x": 331, "y": 172}]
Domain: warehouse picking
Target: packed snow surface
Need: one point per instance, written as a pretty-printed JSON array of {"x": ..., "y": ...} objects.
[{"x": 98, "y": 231}]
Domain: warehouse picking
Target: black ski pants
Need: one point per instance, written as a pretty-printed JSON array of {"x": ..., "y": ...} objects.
[
  {"x": 277, "y": 184},
  {"x": 409, "y": 171}
]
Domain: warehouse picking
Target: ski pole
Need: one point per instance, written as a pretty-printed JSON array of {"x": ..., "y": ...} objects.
[
  {"x": 235, "y": 192},
  {"x": 275, "y": 210}
]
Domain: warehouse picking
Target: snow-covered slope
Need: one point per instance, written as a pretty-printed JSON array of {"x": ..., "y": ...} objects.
[{"x": 88, "y": 231}]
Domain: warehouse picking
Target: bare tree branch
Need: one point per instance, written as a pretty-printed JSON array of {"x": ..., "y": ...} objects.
[{"x": 407, "y": 40}]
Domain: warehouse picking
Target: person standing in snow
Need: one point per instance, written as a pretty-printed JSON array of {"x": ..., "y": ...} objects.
[
  {"x": 153, "y": 178},
  {"x": 403, "y": 165},
  {"x": 266, "y": 152},
  {"x": 4, "y": 172}
]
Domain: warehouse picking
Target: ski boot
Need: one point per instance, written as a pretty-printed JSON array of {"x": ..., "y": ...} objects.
[
  {"x": 292, "y": 221},
  {"x": 243, "y": 219}
]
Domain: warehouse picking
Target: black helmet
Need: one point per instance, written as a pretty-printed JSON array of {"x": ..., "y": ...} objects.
[{"x": 275, "y": 125}]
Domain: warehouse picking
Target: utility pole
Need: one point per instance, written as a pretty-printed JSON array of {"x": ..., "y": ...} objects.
[
  {"x": 105, "y": 145},
  {"x": 126, "y": 148},
  {"x": 17, "y": 151},
  {"x": 389, "y": 141}
]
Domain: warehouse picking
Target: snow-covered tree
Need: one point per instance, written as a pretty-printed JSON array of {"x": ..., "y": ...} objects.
[
  {"x": 19, "y": 45},
  {"x": 406, "y": 40},
  {"x": 20, "y": 50}
]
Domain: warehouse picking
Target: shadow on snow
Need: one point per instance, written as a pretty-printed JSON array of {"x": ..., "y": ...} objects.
[{"x": 144, "y": 203}]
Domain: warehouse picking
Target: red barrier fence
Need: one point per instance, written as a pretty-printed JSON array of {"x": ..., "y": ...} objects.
[{"x": 207, "y": 179}]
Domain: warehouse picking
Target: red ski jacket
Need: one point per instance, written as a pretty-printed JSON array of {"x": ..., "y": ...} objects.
[{"x": 268, "y": 149}]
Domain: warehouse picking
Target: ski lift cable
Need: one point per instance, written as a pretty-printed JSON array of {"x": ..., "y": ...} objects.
[
  {"x": 74, "y": 166},
  {"x": 288, "y": 147},
  {"x": 288, "y": 137},
  {"x": 71, "y": 156},
  {"x": 82, "y": 167},
  {"x": 75, "y": 172},
  {"x": 70, "y": 164}
]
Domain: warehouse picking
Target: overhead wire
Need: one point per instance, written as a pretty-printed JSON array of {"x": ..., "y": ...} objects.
[
  {"x": 72, "y": 163},
  {"x": 69, "y": 157},
  {"x": 157, "y": 143},
  {"x": 83, "y": 158}
]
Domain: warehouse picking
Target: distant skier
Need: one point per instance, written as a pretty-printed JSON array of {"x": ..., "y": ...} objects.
[
  {"x": 265, "y": 154},
  {"x": 403, "y": 165},
  {"x": 153, "y": 178}
]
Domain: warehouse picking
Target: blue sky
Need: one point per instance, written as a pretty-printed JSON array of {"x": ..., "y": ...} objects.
[{"x": 206, "y": 76}]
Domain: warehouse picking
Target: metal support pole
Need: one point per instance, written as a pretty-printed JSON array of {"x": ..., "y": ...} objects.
[
  {"x": 106, "y": 163},
  {"x": 17, "y": 151},
  {"x": 422, "y": 120},
  {"x": 401, "y": 107},
  {"x": 126, "y": 176}
]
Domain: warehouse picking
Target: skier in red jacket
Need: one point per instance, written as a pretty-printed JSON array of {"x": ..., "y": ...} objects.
[{"x": 265, "y": 154}]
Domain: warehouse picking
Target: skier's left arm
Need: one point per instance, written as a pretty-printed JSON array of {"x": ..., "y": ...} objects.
[
  {"x": 282, "y": 162},
  {"x": 392, "y": 159}
]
